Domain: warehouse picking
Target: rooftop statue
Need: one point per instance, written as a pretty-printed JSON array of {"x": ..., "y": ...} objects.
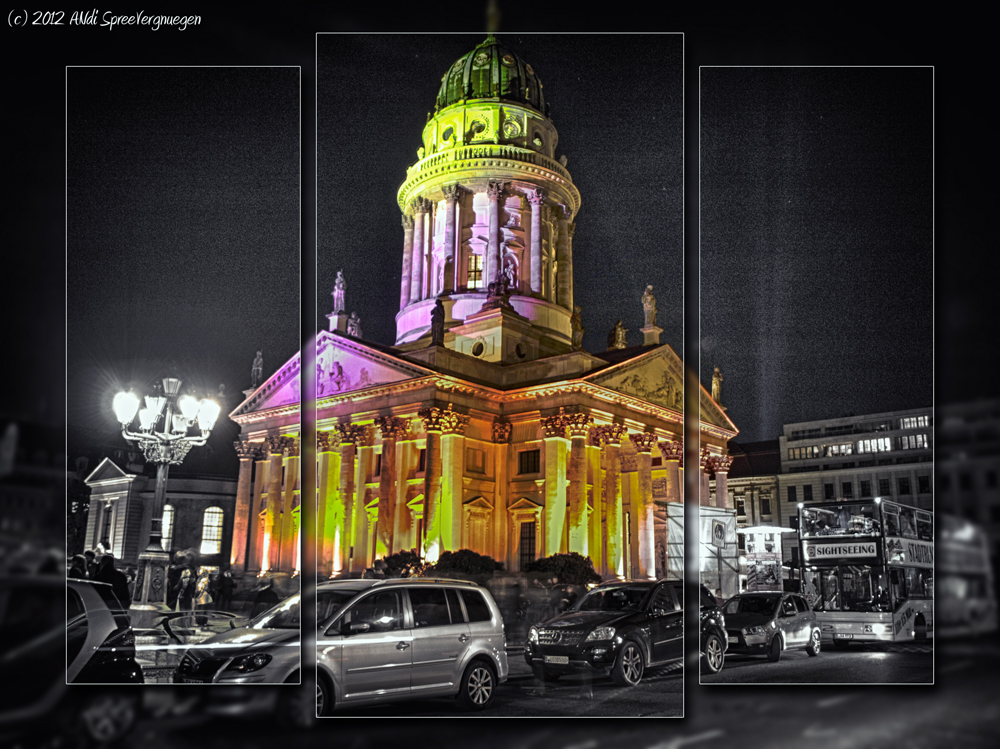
[
  {"x": 339, "y": 287},
  {"x": 257, "y": 372},
  {"x": 717, "y": 385},
  {"x": 649, "y": 305}
]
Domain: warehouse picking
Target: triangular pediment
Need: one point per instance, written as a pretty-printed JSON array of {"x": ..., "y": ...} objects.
[
  {"x": 524, "y": 504},
  {"x": 655, "y": 376},
  {"x": 480, "y": 503},
  {"x": 107, "y": 470},
  {"x": 344, "y": 364}
]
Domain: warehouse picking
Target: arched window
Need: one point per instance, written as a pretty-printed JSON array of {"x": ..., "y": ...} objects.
[
  {"x": 168, "y": 527},
  {"x": 211, "y": 531}
]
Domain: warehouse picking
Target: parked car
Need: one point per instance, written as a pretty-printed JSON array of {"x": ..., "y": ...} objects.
[
  {"x": 769, "y": 623},
  {"x": 385, "y": 640},
  {"x": 264, "y": 651},
  {"x": 714, "y": 640},
  {"x": 100, "y": 644},
  {"x": 617, "y": 628},
  {"x": 41, "y": 708}
]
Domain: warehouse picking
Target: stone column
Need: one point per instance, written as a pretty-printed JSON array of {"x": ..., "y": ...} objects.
[
  {"x": 494, "y": 193},
  {"x": 614, "y": 539},
  {"x": 420, "y": 208},
  {"x": 443, "y": 479},
  {"x": 287, "y": 552},
  {"x": 595, "y": 523},
  {"x": 567, "y": 265},
  {"x": 349, "y": 435},
  {"x": 391, "y": 429},
  {"x": 554, "y": 429},
  {"x": 578, "y": 425},
  {"x": 673, "y": 452},
  {"x": 720, "y": 464},
  {"x": 643, "y": 506},
  {"x": 404, "y": 287},
  {"x": 328, "y": 519},
  {"x": 705, "y": 496},
  {"x": 256, "y": 554},
  {"x": 564, "y": 295},
  {"x": 244, "y": 505},
  {"x": 363, "y": 525},
  {"x": 501, "y": 438},
  {"x": 536, "y": 198},
  {"x": 272, "y": 518},
  {"x": 407, "y": 457},
  {"x": 452, "y": 194}
]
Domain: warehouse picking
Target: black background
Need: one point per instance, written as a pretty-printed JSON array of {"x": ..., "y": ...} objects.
[{"x": 964, "y": 354}]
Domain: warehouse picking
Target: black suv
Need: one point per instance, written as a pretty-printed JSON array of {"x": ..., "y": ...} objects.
[
  {"x": 714, "y": 641},
  {"x": 618, "y": 628}
]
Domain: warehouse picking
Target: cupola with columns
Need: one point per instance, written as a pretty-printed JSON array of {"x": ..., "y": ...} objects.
[{"x": 487, "y": 203}]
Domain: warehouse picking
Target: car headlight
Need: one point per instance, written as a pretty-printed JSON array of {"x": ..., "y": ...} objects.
[
  {"x": 247, "y": 663},
  {"x": 755, "y": 631},
  {"x": 533, "y": 635},
  {"x": 601, "y": 633}
]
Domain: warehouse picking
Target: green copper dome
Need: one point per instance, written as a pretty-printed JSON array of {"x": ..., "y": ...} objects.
[{"x": 491, "y": 71}]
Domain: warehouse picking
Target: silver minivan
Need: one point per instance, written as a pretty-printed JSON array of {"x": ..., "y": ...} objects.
[{"x": 386, "y": 640}]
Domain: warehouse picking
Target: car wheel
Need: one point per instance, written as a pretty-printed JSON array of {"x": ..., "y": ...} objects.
[
  {"x": 324, "y": 697},
  {"x": 107, "y": 718},
  {"x": 542, "y": 675},
  {"x": 774, "y": 652},
  {"x": 814, "y": 643},
  {"x": 628, "y": 668},
  {"x": 715, "y": 656},
  {"x": 478, "y": 686}
]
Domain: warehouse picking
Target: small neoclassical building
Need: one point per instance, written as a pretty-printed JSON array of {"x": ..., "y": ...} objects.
[{"x": 485, "y": 426}]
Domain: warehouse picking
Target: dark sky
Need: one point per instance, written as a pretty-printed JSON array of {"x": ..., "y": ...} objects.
[
  {"x": 183, "y": 229},
  {"x": 816, "y": 242},
  {"x": 617, "y": 104}
]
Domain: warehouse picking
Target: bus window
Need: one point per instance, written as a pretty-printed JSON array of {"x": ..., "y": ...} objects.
[
  {"x": 919, "y": 583},
  {"x": 897, "y": 584},
  {"x": 925, "y": 529},
  {"x": 830, "y": 590},
  {"x": 891, "y": 519},
  {"x": 907, "y": 522}
]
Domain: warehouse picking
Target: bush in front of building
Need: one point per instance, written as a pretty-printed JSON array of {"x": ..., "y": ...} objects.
[
  {"x": 568, "y": 569},
  {"x": 464, "y": 561},
  {"x": 403, "y": 564}
]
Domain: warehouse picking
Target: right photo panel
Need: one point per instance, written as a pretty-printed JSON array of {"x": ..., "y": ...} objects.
[{"x": 816, "y": 540}]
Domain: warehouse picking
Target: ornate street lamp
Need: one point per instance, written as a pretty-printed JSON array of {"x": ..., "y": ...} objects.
[{"x": 169, "y": 426}]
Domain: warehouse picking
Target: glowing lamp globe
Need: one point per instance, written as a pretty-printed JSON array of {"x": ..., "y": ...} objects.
[
  {"x": 189, "y": 407},
  {"x": 125, "y": 405},
  {"x": 207, "y": 414}
]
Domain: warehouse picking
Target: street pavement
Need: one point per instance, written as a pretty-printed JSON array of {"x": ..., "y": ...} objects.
[{"x": 903, "y": 663}]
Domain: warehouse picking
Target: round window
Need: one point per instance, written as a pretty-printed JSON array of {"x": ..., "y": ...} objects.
[
  {"x": 520, "y": 350},
  {"x": 448, "y": 132},
  {"x": 478, "y": 348}
]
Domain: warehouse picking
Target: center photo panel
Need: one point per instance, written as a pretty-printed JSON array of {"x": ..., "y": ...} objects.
[{"x": 498, "y": 386}]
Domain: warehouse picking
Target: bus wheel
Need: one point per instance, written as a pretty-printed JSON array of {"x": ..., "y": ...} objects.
[{"x": 920, "y": 628}]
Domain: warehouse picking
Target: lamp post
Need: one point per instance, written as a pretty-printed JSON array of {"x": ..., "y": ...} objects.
[{"x": 169, "y": 426}]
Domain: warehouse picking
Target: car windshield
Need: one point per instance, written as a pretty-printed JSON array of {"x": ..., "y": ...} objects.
[
  {"x": 765, "y": 605},
  {"x": 286, "y": 615},
  {"x": 615, "y": 598}
]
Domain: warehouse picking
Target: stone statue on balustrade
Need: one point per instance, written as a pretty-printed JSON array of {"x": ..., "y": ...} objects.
[
  {"x": 649, "y": 305},
  {"x": 437, "y": 323},
  {"x": 616, "y": 338},
  {"x": 257, "y": 373},
  {"x": 576, "y": 320},
  {"x": 717, "y": 385},
  {"x": 354, "y": 325},
  {"x": 339, "y": 287}
]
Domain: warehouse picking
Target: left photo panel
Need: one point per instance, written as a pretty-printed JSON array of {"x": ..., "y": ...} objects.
[{"x": 183, "y": 409}]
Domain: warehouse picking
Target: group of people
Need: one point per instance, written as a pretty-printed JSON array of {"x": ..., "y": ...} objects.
[
  {"x": 99, "y": 566},
  {"x": 189, "y": 588}
]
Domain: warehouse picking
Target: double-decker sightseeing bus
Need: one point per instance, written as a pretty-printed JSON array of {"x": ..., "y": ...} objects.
[
  {"x": 967, "y": 598},
  {"x": 868, "y": 570}
]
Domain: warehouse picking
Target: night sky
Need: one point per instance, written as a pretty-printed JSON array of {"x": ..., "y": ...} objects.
[
  {"x": 816, "y": 242},
  {"x": 617, "y": 102},
  {"x": 183, "y": 230}
]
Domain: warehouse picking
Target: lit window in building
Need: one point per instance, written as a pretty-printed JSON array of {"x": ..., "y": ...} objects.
[
  {"x": 912, "y": 441},
  {"x": 168, "y": 527},
  {"x": 914, "y": 422},
  {"x": 878, "y": 445},
  {"x": 529, "y": 461},
  {"x": 211, "y": 531},
  {"x": 474, "y": 278}
]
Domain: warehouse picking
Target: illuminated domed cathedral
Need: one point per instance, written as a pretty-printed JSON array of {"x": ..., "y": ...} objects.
[{"x": 486, "y": 426}]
